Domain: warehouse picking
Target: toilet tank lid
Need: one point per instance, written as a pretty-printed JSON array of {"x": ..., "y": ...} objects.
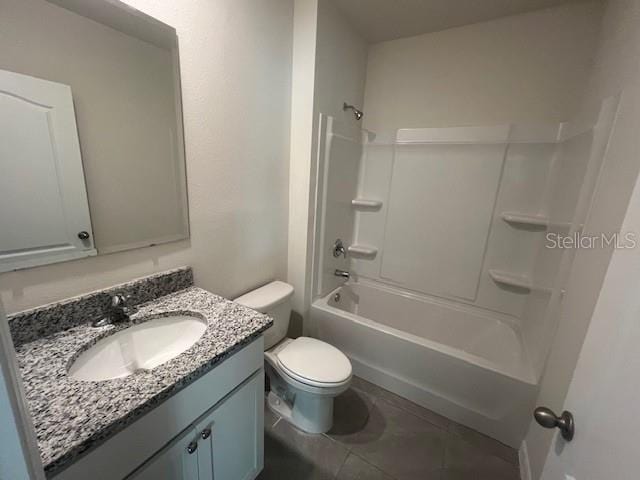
[{"x": 266, "y": 297}]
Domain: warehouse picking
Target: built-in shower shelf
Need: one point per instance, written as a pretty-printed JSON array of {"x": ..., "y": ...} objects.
[
  {"x": 522, "y": 282},
  {"x": 362, "y": 251},
  {"x": 515, "y": 218},
  {"x": 525, "y": 219},
  {"x": 564, "y": 225},
  {"x": 366, "y": 204},
  {"x": 510, "y": 279}
]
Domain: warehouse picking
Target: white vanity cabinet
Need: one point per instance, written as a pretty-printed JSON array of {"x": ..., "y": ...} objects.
[
  {"x": 231, "y": 436},
  {"x": 212, "y": 429},
  {"x": 225, "y": 444},
  {"x": 177, "y": 461}
]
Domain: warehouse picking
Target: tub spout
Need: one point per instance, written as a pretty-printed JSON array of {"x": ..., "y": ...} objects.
[{"x": 342, "y": 274}]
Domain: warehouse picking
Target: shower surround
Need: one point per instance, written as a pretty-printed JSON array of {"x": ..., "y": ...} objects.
[{"x": 454, "y": 296}]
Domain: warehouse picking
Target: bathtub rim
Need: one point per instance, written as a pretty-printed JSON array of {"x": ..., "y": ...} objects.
[
  {"x": 460, "y": 304},
  {"x": 528, "y": 377}
]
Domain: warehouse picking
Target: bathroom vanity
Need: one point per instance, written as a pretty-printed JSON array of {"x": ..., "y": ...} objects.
[
  {"x": 173, "y": 387},
  {"x": 196, "y": 415},
  {"x": 188, "y": 438}
]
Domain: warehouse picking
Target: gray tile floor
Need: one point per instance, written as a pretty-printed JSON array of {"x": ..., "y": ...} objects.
[{"x": 380, "y": 436}]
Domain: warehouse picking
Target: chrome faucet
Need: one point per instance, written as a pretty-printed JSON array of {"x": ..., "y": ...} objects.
[
  {"x": 342, "y": 274},
  {"x": 120, "y": 308},
  {"x": 119, "y": 311}
]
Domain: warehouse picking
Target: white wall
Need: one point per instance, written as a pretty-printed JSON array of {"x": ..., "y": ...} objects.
[
  {"x": 616, "y": 68},
  {"x": 236, "y": 78},
  {"x": 523, "y": 68},
  {"x": 341, "y": 64},
  {"x": 301, "y": 213},
  {"x": 338, "y": 76}
]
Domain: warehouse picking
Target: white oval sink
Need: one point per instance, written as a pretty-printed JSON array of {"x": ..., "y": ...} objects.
[{"x": 141, "y": 347}]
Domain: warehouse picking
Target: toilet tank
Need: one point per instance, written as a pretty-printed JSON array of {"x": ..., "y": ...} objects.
[{"x": 274, "y": 299}]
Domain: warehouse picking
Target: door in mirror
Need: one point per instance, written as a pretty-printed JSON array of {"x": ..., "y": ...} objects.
[{"x": 44, "y": 208}]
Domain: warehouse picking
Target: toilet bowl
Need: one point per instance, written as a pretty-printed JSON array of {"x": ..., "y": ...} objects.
[{"x": 305, "y": 374}]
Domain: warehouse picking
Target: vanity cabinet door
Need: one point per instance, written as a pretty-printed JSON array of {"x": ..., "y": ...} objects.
[
  {"x": 231, "y": 436},
  {"x": 176, "y": 461}
]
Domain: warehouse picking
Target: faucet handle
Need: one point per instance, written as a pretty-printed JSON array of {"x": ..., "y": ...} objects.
[
  {"x": 338, "y": 249},
  {"x": 121, "y": 301}
]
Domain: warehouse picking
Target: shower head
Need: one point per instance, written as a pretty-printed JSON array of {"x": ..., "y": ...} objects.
[{"x": 356, "y": 113}]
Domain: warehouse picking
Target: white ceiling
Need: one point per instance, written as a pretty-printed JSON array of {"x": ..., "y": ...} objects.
[{"x": 380, "y": 20}]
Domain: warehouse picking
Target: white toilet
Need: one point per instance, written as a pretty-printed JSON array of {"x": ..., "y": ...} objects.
[{"x": 305, "y": 374}]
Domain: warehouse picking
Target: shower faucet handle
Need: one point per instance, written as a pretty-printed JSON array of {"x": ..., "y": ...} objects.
[{"x": 338, "y": 249}]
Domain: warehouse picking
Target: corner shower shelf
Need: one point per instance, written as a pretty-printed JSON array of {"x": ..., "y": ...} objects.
[
  {"x": 366, "y": 204},
  {"x": 525, "y": 219},
  {"x": 362, "y": 251}
]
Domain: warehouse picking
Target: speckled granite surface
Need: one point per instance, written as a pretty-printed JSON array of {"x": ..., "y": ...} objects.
[
  {"x": 46, "y": 320},
  {"x": 71, "y": 417}
]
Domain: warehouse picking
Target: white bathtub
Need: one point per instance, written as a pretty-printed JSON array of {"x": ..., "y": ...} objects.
[{"x": 465, "y": 365}]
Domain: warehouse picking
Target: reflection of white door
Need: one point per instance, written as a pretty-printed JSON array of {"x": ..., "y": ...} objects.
[
  {"x": 43, "y": 198},
  {"x": 604, "y": 395}
]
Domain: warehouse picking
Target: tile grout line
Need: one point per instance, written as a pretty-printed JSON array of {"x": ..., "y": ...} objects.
[
  {"x": 444, "y": 454},
  {"x": 374, "y": 466},
  {"x": 342, "y": 464},
  {"x": 337, "y": 442},
  {"x": 348, "y": 447},
  {"x": 374, "y": 401}
]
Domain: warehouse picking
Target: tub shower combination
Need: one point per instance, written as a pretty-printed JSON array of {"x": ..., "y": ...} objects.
[
  {"x": 464, "y": 365},
  {"x": 460, "y": 323}
]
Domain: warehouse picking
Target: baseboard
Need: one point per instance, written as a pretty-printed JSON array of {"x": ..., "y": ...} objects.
[{"x": 523, "y": 457}]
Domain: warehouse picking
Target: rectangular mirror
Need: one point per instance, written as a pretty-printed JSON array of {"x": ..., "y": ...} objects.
[{"x": 91, "y": 139}]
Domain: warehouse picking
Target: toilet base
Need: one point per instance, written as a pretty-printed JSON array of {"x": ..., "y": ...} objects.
[
  {"x": 307, "y": 407},
  {"x": 309, "y": 413}
]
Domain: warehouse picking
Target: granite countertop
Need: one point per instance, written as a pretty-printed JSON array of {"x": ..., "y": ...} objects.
[{"x": 73, "y": 416}]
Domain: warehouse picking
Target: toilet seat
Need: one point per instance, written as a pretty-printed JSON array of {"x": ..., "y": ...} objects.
[{"x": 315, "y": 363}]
